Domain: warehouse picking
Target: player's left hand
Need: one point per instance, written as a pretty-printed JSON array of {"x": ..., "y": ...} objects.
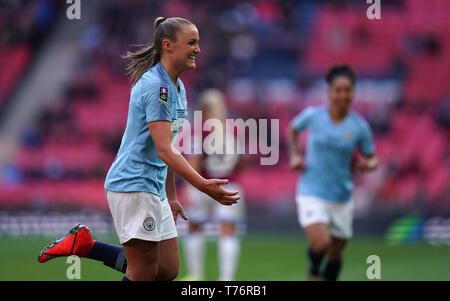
[
  {"x": 176, "y": 208},
  {"x": 366, "y": 164}
]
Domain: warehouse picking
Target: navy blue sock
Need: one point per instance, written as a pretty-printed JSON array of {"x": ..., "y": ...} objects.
[
  {"x": 111, "y": 255},
  {"x": 314, "y": 262},
  {"x": 332, "y": 270},
  {"x": 125, "y": 278}
]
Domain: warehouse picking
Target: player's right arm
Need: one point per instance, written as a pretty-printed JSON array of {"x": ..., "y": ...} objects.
[
  {"x": 161, "y": 132},
  {"x": 298, "y": 124},
  {"x": 196, "y": 162},
  {"x": 296, "y": 161}
]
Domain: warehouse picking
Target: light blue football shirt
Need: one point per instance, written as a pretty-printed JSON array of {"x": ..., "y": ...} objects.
[
  {"x": 137, "y": 166},
  {"x": 329, "y": 152}
]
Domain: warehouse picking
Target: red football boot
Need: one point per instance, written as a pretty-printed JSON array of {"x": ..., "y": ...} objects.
[{"x": 77, "y": 242}]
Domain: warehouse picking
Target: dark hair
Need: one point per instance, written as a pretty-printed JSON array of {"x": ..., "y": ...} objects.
[
  {"x": 149, "y": 55},
  {"x": 340, "y": 70}
]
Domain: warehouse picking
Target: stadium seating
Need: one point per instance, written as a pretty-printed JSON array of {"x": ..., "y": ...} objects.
[
  {"x": 24, "y": 26},
  {"x": 13, "y": 62},
  {"x": 414, "y": 151}
]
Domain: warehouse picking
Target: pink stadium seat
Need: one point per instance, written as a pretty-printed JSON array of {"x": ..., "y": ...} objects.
[
  {"x": 14, "y": 59},
  {"x": 334, "y": 28}
]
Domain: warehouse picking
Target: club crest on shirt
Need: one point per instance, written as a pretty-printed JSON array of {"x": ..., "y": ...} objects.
[
  {"x": 149, "y": 223},
  {"x": 163, "y": 94}
]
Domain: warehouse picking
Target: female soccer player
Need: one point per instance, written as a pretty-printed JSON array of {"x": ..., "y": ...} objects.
[
  {"x": 202, "y": 208},
  {"x": 325, "y": 208},
  {"x": 140, "y": 185}
]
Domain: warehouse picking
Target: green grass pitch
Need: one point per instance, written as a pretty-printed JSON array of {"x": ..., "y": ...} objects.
[{"x": 263, "y": 257}]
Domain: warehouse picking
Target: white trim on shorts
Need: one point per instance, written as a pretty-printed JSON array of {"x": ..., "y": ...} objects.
[{"x": 141, "y": 215}]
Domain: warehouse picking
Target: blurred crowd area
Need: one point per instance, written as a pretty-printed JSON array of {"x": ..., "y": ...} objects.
[
  {"x": 24, "y": 24},
  {"x": 269, "y": 57}
]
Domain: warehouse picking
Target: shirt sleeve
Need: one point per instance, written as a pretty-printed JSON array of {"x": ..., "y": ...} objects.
[
  {"x": 156, "y": 107},
  {"x": 302, "y": 120},
  {"x": 366, "y": 145}
]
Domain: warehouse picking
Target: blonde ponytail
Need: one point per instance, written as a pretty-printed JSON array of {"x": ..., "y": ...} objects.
[{"x": 149, "y": 55}]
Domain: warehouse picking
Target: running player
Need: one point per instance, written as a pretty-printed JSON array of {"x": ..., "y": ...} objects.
[
  {"x": 325, "y": 208},
  {"x": 140, "y": 185},
  {"x": 202, "y": 208}
]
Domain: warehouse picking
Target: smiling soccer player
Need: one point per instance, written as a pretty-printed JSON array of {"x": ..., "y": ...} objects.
[{"x": 140, "y": 185}]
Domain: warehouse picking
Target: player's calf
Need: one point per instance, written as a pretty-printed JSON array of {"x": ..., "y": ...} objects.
[
  {"x": 334, "y": 259},
  {"x": 318, "y": 237}
]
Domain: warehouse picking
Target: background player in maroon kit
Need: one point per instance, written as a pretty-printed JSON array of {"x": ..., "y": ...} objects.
[{"x": 201, "y": 208}]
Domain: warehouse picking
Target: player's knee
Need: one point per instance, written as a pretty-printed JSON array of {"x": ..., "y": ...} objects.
[
  {"x": 320, "y": 245},
  {"x": 168, "y": 270},
  {"x": 142, "y": 274},
  {"x": 170, "y": 275},
  {"x": 167, "y": 274},
  {"x": 228, "y": 229}
]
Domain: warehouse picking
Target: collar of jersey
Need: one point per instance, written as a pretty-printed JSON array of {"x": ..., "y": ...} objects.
[{"x": 160, "y": 66}]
